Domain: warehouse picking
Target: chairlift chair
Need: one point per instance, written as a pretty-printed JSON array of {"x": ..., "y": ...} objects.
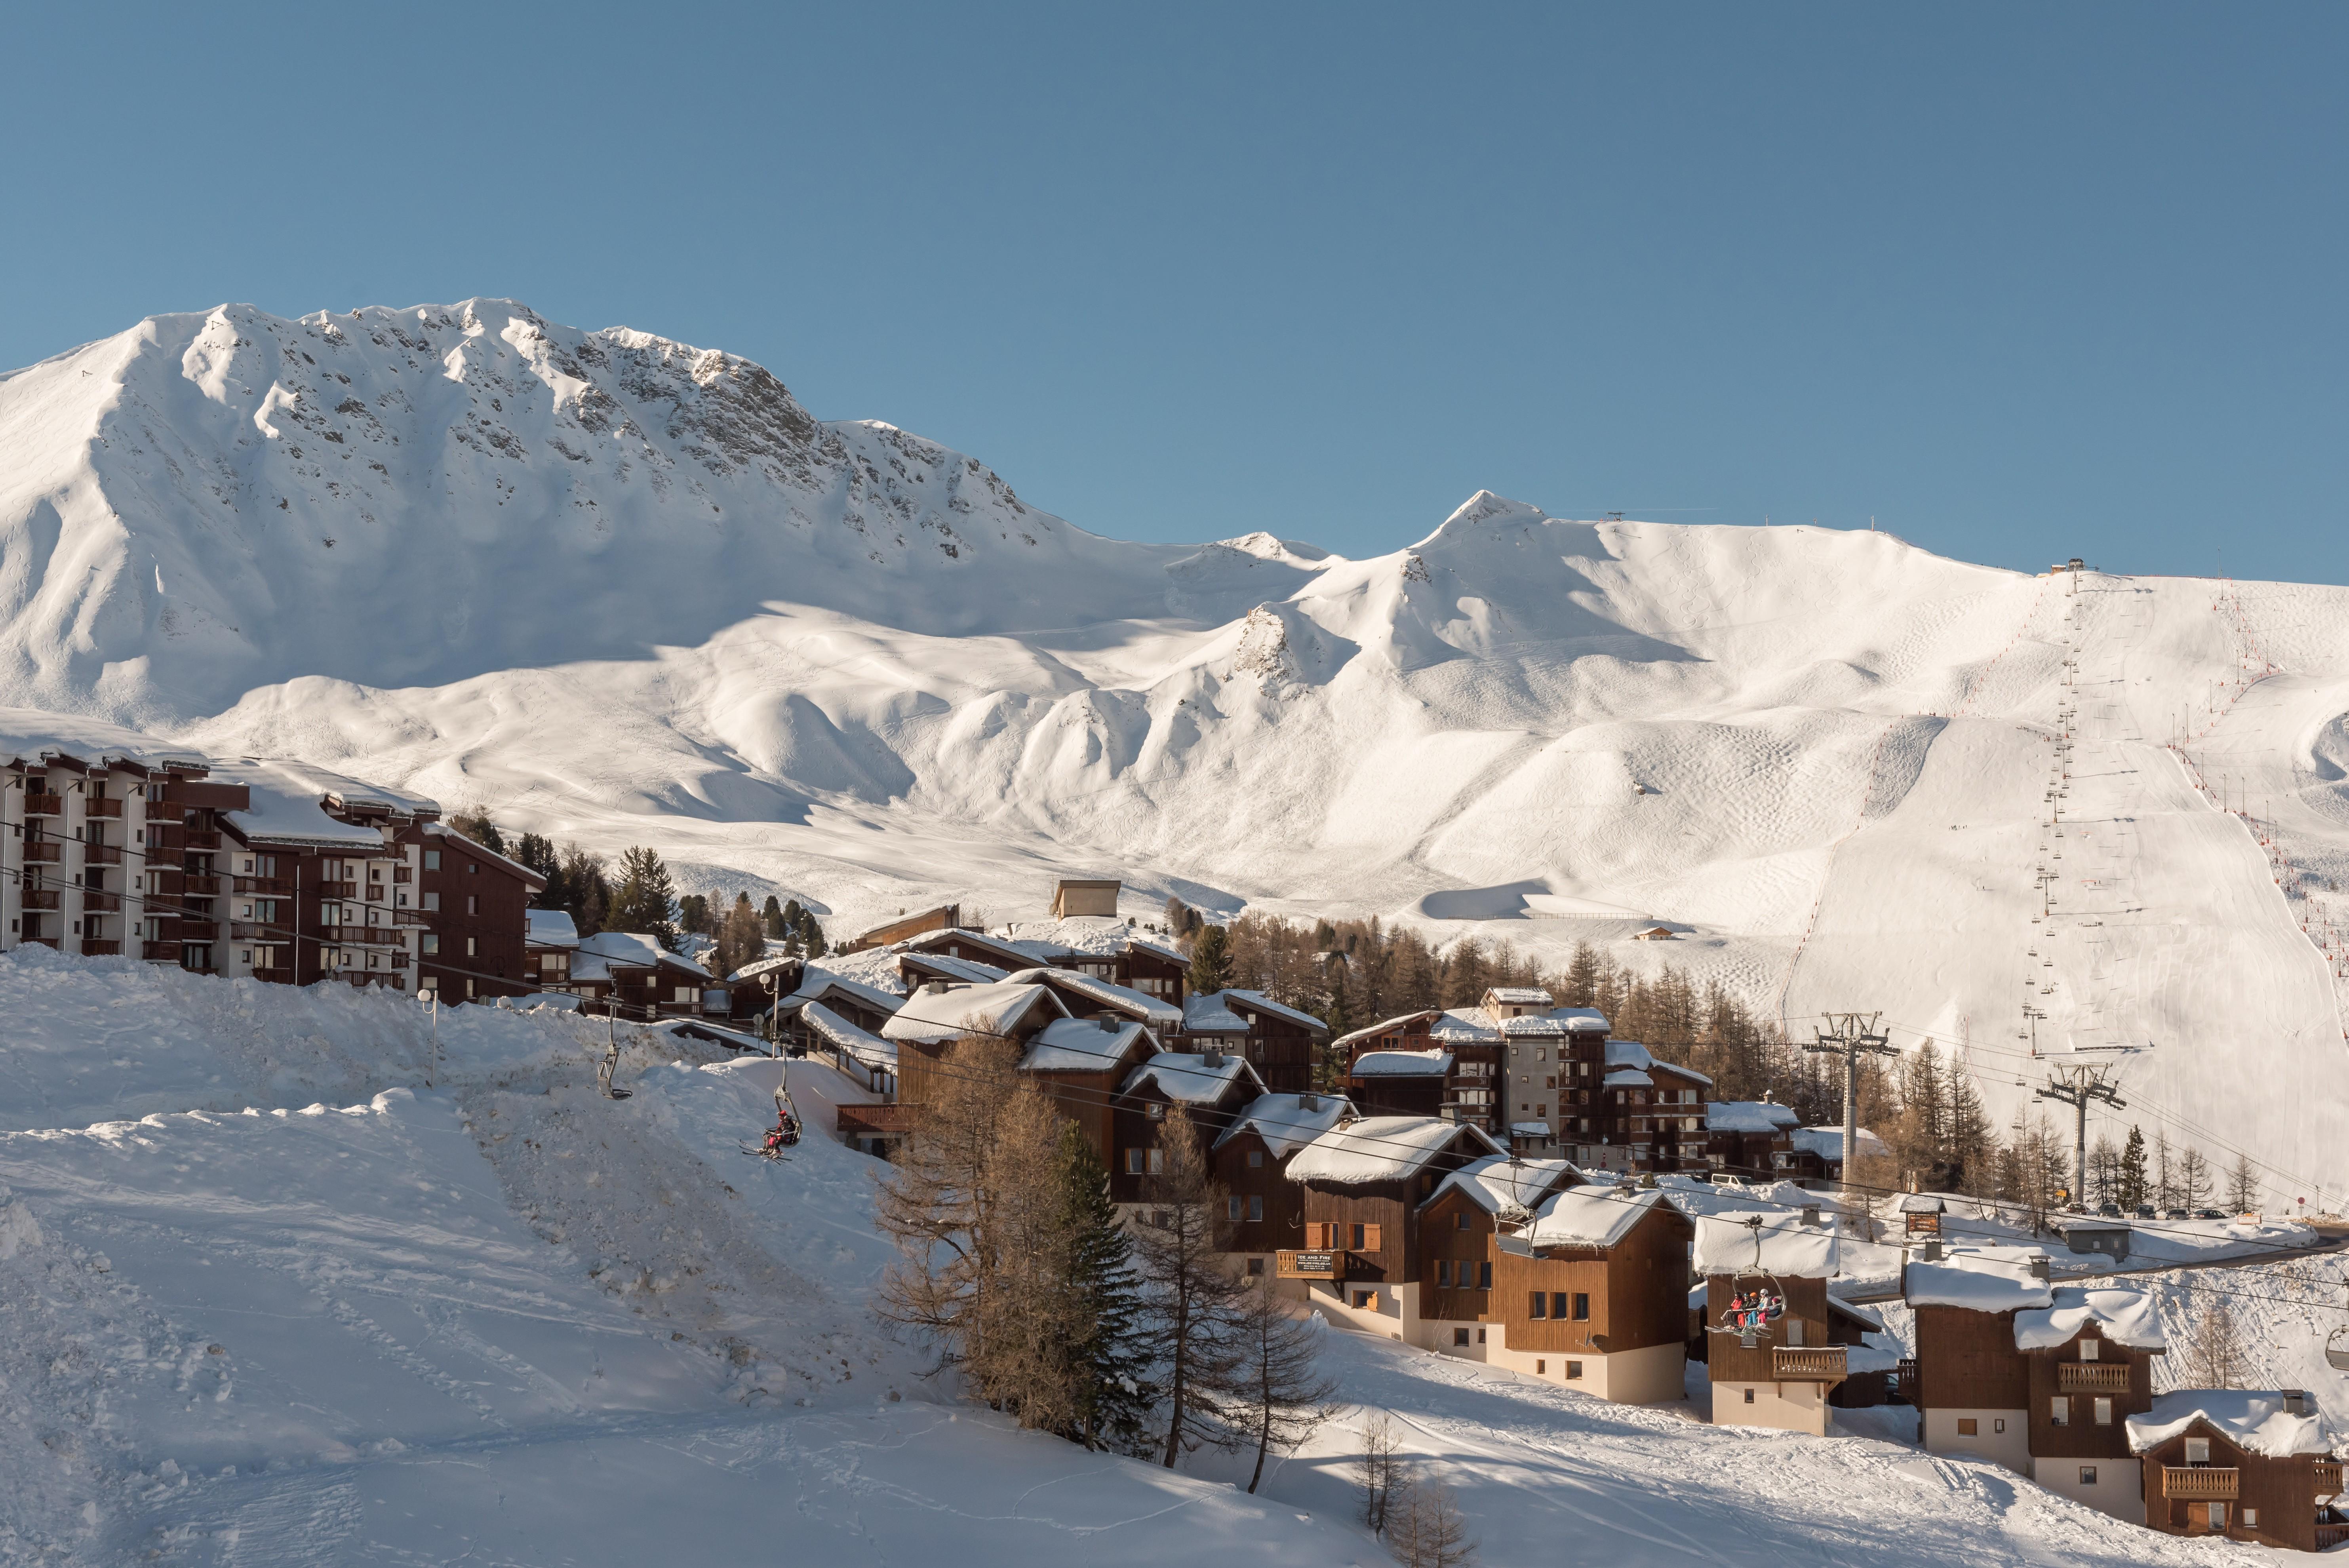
[{"x": 1752, "y": 1310}]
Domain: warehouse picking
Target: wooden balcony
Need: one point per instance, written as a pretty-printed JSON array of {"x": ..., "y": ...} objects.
[
  {"x": 410, "y": 917},
  {"x": 160, "y": 952},
  {"x": 42, "y": 898},
  {"x": 101, "y": 854},
  {"x": 2329, "y": 1536},
  {"x": 45, "y": 805},
  {"x": 402, "y": 873},
  {"x": 96, "y": 902},
  {"x": 368, "y": 936},
  {"x": 1329, "y": 1265},
  {"x": 201, "y": 886},
  {"x": 198, "y": 930},
  {"x": 45, "y": 852},
  {"x": 201, "y": 838},
  {"x": 2092, "y": 1377},
  {"x": 339, "y": 890},
  {"x": 2200, "y": 1483},
  {"x": 94, "y": 948},
  {"x": 873, "y": 1118},
  {"x": 2328, "y": 1478},
  {"x": 253, "y": 931},
  {"x": 1807, "y": 1364},
  {"x": 101, "y": 806},
  {"x": 49, "y": 941},
  {"x": 267, "y": 887}
]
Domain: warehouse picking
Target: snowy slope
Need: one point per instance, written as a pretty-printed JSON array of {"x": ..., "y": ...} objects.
[{"x": 619, "y": 589}]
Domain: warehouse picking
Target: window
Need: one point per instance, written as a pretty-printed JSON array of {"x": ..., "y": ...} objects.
[
  {"x": 1557, "y": 1306},
  {"x": 1998, "y": 1423},
  {"x": 472, "y": 867},
  {"x": 1255, "y": 1207},
  {"x": 1749, "y": 1399},
  {"x": 2198, "y": 1451},
  {"x": 1795, "y": 1332},
  {"x": 472, "y": 947},
  {"x": 1459, "y": 1336},
  {"x": 2104, "y": 1412},
  {"x": 2059, "y": 1411},
  {"x": 1460, "y": 1220},
  {"x": 1231, "y": 1208},
  {"x": 1480, "y": 1336},
  {"x": 472, "y": 903},
  {"x": 1540, "y": 1305},
  {"x": 2218, "y": 1516},
  {"x": 431, "y": 900},
  {"x": 1573, "y": 1370},
  {"x": 1256, "y": 1266},
  {"x": 427, "y": 942},
  {"x": 1155, "y": 1110},
  {"x": 1157, "y": 1162},
  {"x": 1967, "y": 1426},
  {"x": 1256, "y": 1159},
  {"x": 2088, "y": 1350},
  {"x": 2087, "y": 1475},
  {"x": 1366, "y": 1238},
  {"x": 1540, "y": 1367},
  {"x": 431, "y": 860},
  {"x": 1582, "y": 1305},
  {"x": 1133, "y": 1156},
  {"x": 2250, "y": 1519},
  {"x": 1484, "y": 1276},
  {"x": 1366, "y": 1300}
]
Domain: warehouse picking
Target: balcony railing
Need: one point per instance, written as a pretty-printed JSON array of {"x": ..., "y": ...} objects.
[
  {"x": 1904, "y": 1379},
  {"x": 2093, "y": 1377},
  {"x": 94, "y": 948},
  {"x": 101, "y": 854},
  {"x": 2329, "y": 1536},
  {"x": 2328, "y": 1478},
  {"x": 41, "y": 898},
  {"x": 198, "y": 930},
  {"x": 201, "y": 838},
  {"x": 201, "y": 886},
  {"x": 268, "y": 887},
  {"x": 402, "y": 873},
  {"x": 253, "y": 931},
  {"x": 160, "y": 952},
  {"x": 339, "y": 890},
  {"x": 102, "y": 807},
  {"x": 2200, "y": 1483},
  {"x": 45, "y": 805},
  {"x": 1329, "y": 1265},
  {"x": 96, "y": 902},
  {"x": 368, "y": 935},
  {"x": 45, "y": 851},
  {"x": 283, "y": 976},
  {"x": 410, "y": 917},
  {"x": 870, "y": 1119},
  {"x": 1807, "y": 1364}
]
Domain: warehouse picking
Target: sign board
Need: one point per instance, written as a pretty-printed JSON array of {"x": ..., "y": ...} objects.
[{"x": 1309, "y": 1266}]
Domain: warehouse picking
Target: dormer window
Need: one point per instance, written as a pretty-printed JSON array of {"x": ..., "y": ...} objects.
[
  {"x": 2088, "y": 1350},
  {"x": 1157, "y": 1111},
  {"x": 2198, "y": 1451}
]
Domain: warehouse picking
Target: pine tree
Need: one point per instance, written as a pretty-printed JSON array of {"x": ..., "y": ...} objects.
[
  {"x": 771, "y": 915},
  {"x": 2244, "y": 1185},
  {"x": 741, "y": 938},
  {"x": 1581, "y": 983},
  {"x": 1196, "y": 1295},
  {"x": 539, "y": 854},
  {"x": 1211, "y": 965},
  {"x": 477, "y": 826},
  {"x": 811, "y": 935},
  {"x": 1274, "y": 1394},
  {"x": 2129, "y": 1187},
  {"x": 693, "y": 914},
  {"x": 643, "y": 899},
  {"x": 588, "y": 895},
  {"x": 1108, "y": 1339}
]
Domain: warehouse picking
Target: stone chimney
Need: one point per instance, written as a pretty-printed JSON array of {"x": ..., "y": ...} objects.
[{"x": 2040, "y": 1270}]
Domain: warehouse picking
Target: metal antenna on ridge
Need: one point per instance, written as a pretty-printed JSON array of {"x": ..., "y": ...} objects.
[
  {"x": 2076, "y": 1087},
  {"x": 1847, "y": 1040}
]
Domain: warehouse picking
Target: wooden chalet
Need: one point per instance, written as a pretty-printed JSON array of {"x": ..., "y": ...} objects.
[
  {"x": 1212, "y": 1087},
  {"x": 1591, "y": 1294},
  {"x": 1778, "y": 1372},
  {"x": 549, "y": 938},
  {"x": 917, "y": 968},
  {"x": 1816, "y": 1158},
  {"x": 1278, "y": 1040},
  {"x": 1750, "y": 1139},
  {"x": 945, "y": 917},
  {"x": 2089, "y": 1361},
  {"x": 1087, "y": 995},
  {"x": 764, "y": 991},
  {"x": 632, "y": 972},
  {"x": 2251, "y": 1466},
  {"x": 1462, "y": 1229},
  {"x": 1399, "y": 1083},
  {"x": 1972, "y": 1384},
  {"x": 1364, "y": 1182},
  {"x": 1251, "y": 1160}
]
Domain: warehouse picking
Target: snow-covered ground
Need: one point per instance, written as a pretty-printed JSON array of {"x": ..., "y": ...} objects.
[{"x": 270, "y": 1299}]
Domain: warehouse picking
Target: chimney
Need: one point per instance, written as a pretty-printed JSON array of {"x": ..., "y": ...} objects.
[
  {"x": 2039, "y": 1270},
  {"x": 1212, "y": 1057},
  {"x": 1309, "y": 1103},
  {"x": 931, "y": 988},
  {"x": 2295, "y": 1401},
  {"x": 1810, "y": 1213},
  {"x": 1929, "y": 1252},
  {"x": 1107, "y": 1022}
]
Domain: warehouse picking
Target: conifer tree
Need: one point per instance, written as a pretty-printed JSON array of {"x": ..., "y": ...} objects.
[
  {"x": 643, "y": 899},
  {"x": 1195, "y": 1296},
  {"x": 477, "y": 826},
  {"x": 693, "y": 914},
  {"x": 741, "y": 938},
  {"x": 1109, "y": 1334},
  {"x": 1211, "y": 964},
  {"x": 1274, "y": 1393},
  {"x": 771, "y": 915},
  {"x": 2244, "y": 1185},
  {"x": 2130, "y": 1187}
]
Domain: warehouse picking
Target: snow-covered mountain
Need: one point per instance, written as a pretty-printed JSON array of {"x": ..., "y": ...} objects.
[{"x": 619, "y": 589}]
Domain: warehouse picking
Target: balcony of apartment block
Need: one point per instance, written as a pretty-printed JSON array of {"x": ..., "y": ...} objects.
[
  {"x": 37, "y": 805},
  {"x": 2093, "y": 1377},
  {"x": 266, "y": 887},
  {"x": 193, "y": 929},
  {"x": 94, "y": 902},
  {"x": 47, "y": 942},
  {"x": 101, "y": 854},
  {"x": 43, "y": 898},
  {"x": 413, "y": 916},
  {"x": 45, "y": 852},
  {"x": 160, "y": 952},
  {"x": 199, "y": 885},
  {"x": 339, "y": 890},
  {"x": 200, "y": 838},
  {"x": 368, "y": 935},
  {"x": 403, "y": 874},
  {"x": 2201, "y": 1483},
  {"x": 255, "y": 931},
  {"x": 100, "y": 948},
  {"x": 100, "y": 806},
  {"x": 1807, "y": 1364}
]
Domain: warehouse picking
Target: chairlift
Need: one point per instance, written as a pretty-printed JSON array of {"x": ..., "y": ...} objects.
[{"x": 1752, "y": 1309}]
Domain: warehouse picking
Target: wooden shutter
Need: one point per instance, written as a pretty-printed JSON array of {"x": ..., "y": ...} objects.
[{"x": 1370, "y": 1238}]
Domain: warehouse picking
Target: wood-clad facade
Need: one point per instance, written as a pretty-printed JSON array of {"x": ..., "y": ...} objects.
[
  {"x": 2272, "y": 1501},
  {"x": 1784, "y": 1378},
  {"x": 1611, "y": 1321}
]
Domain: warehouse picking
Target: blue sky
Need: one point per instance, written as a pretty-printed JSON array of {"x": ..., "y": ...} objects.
[{"x": 2019, "y": 282}]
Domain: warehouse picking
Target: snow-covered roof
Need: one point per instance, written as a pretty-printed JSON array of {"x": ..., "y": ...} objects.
[
  {"x": 1403, "y": 1064},
  {"x": 816, "y": 984},
  {"x": 1826, "y": 1142},
  {"x": 1264, "y": 1003},
  {"x": 1868, "y": 1315},
  {"x": 1597, "y": 1216},
  {"x": 475, "y": 847},
  {"x": 1627, "y": 1078},
  {"x": 550, "y": 928},
  {"x": 758, "y": 966},
  {"x": 287, "y": 804},
  {"x": 1382, "y": 1148},
  {"x": 869, "y": 1048},
  {"x": 1984, "y": 1279},
  {"x": 1628, "y": 1053},
  {"x": 636, "y": 949},
  {"x": 1204, "y": 1013},
  {"x": 1157, "y": 1012},
  {"x": 1920, "y": 1204},
  {"x": 1582, "y": 1020},
  {"x": 1083, "y": 1044},
  {"x": 1749, "y": 1116},
  {"x": 1789, "y": 1247},
  {"x": 1534, "y": 1026},
  {"x": 2252, "y": 1419},
  {"x": 1013, "y": 956},
  {"x": 1521, "y": 995},
  {"x": 1382, "y": 1026},
  {"x": 1187, "y": 1076},
  {"x": 998, "y": 1009},
  {"x": 1463, "y": 1026},
  {"x": 945, "y": 966},
  {"x": 2124, "y": 1316},
  {"x": 1529, "y": 1130},
  {"x": 1500, "y": 1183},
  {"x": 1679, "y": 1071},
  {"x": 1288, "y": 1122}
]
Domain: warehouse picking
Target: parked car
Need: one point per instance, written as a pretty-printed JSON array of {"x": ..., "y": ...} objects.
[
  {"x": 2176, "y": 1214},
  {"x": 2108, "y": 1211},
  {"x": 2209, "y": 1214},
  {"x": 2144, "y": 1212}
]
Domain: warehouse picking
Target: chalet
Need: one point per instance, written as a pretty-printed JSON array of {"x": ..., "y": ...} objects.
[
  {"x": 1770, "y": 1370},
  {"x": 1251, "y": 1160},
  {"x": 2252, "y": 1466},
  {"x": 2094, "y": 1235},
  {"x": 1750, "y": 1138},
  {"x": 1816, "y": 1156},
  {"x": 1591, "y": 1294},
  {"x": 1074, "y": 898},
  {"x": 549, "y": 938},
  {"x": 1972, "y": 1384},
  {"x": 866, "y": 1006},
  {"x": 1277, "y": 1040},
  {"x": 977, "y": 945},
  {"x": 762, "y": 991},
  {"x": 1212, "y": 1087},
  {"x": 633, "y": 973},
  {"x": 863, "y": 1057},
  {"x": 1084, "y": 994},
  {"x": 1081, "y": 1063},
  {"x": 1399, "y": 1083},
  {"x": 1364, "y": 1182},
  {"x": 1462, "y": 1229},
  {"x": 915, "y": 968},
  {"x": 2090, "y": 1359},
  {"x": 945, "y": 917}
]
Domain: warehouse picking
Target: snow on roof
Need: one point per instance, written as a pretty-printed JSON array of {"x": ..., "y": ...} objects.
[
  {"x": 998, "y": 1009},
  {"x": 1264, "y": 1003},
  {"x": 1014, "y": 955},
  {"x": 1403, "y": 1064},
  {"x": 1521, "y": 995},
  {"x": 1500, "y": 1182},
  {"x": 1857, "y": 1313},
  {"x": 1083, "y": 1044},
  {"x": 474, "y": 847},
  {"x": 1288, "y": 1122},
  {"x": 1463, "y": 1026},
  {"x": 1627, "y": 1079},
  {"x": 1532, "y": 1025},
  {"x": 815, "y": 985},
  {"x": 1187, "y": 1075},
  {"x": 2252, "y": 1419},
  {"x": 1382, "y": 1026},
  {"x": 869, "y": 1048},
  {"x": 1095, "y": 935},
  {"x": 1529, "y": 1130},
  {"x": 1159, "y": 1014},
  {"x": 638, "y": 949},
  {"x": 2124, "y": 1316},
  {"x": 1204, "y": 1013},
  {"x": 287, "y": 804},
  {"x": 1749, "y": 1116},
  {"x": 1381, "y": 1149},
  {"x": 1788, "y": 1248},
  {"x": 550, "y": 928},
  {"x": 1826, "y": 1142},
  {"x": 968, "y": 970},
  {"x": 1983, "y": 1279},
  {"x": 1582, "y": 1020},
  {"x": 1627, "y": 1054},
  {"x": 1679, "y": 1071},
  {"x": 1920, "y": 1204},
  {"x": 1597, "y": 1216},
  {"x": 758, "y": 966}
]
